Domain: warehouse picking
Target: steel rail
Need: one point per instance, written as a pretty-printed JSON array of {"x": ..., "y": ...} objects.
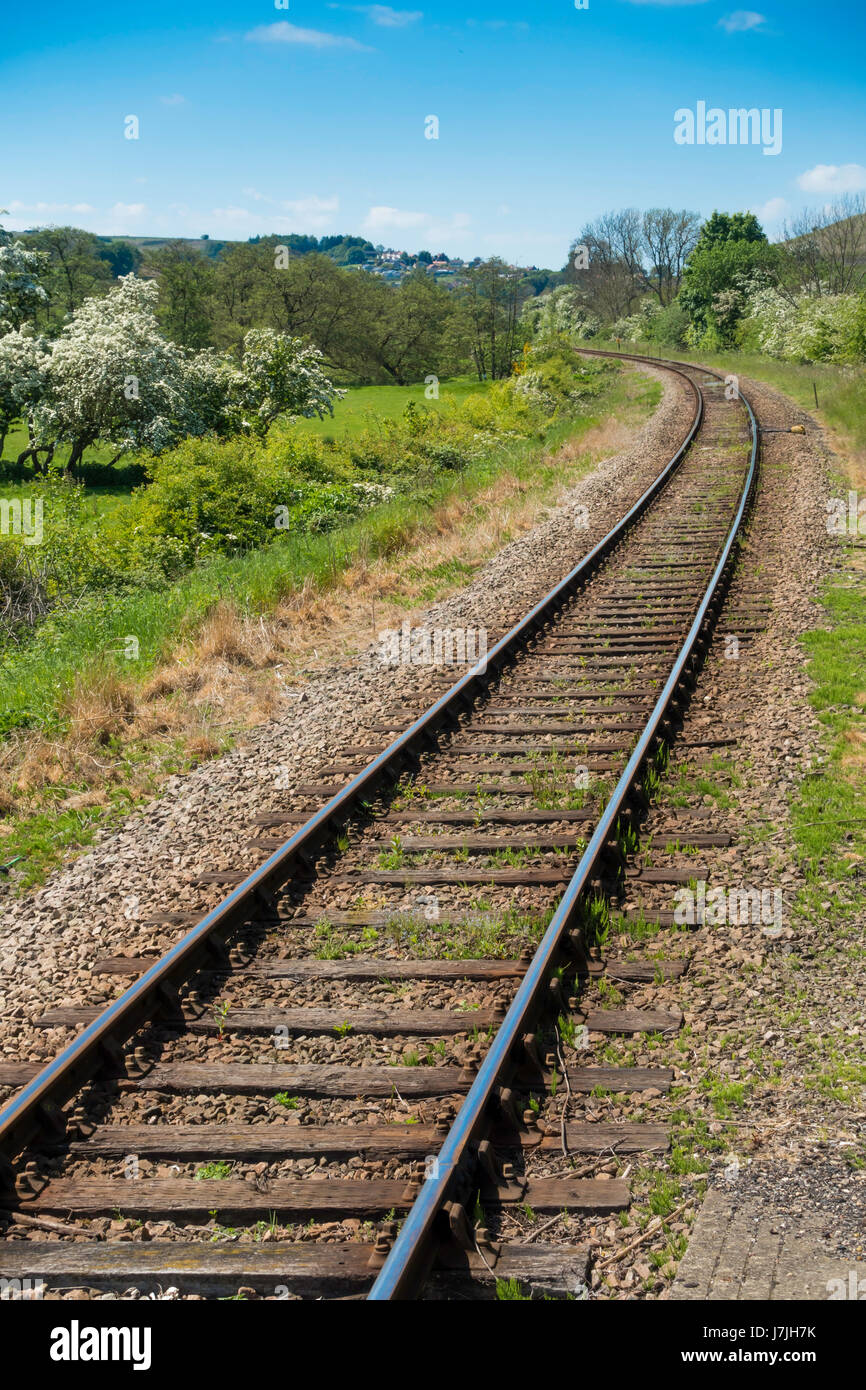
[
  {"x": 35, "y": 1107},
  {"x": 410, "y": 1257}
]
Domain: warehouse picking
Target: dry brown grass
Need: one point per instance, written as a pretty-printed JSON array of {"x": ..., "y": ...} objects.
[
  {"x": 99, "y": 707},
  {"x": 230, "y": 636},
  {"x": 854, "y": 756}
]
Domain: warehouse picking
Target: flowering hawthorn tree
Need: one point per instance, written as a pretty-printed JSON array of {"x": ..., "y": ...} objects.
[
  {"x": 20, "y": 291},
  {"x": 113, "y": 376},
  {"x": 280, "y": 376},
  {"x": 213, "y": 384},
  {"x": 560, "y": 313},
  {"x": 23, "y": 363}
]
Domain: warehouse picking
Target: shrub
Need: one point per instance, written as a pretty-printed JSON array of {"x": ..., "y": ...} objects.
[{"x": 825, "y": 328}]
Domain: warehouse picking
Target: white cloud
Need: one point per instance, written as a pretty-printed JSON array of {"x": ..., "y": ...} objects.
[
  {"x": 742, "y": 20},
  {"x": 283, "y": 32},
  {"x": 382, "y": 218},
  {"x": 48, "y": 209},
  {"x": 425, "y": 225},
  {"x": 231, "y": 214},
  {"x": 311, "y": 214},
  {"x": 124, "y": 217},
  {"x": 515, "y": 26},
  {"x": 384, "y": 15},
  {"x": 773, "y": 210},
  {"x": 175, "y": 100},
  {"x": 834, "y": 178},
  {"x": 392, "y": 19}
]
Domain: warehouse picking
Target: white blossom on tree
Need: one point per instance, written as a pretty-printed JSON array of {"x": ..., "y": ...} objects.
[
  {"x": 20, "y": 291},
  {"x": 561, "y": 313},
  {"x": 23, "y": 365},
  {"x": 280, "y": 376},
  {"x": 113, "y": 377},
  {"x": 810, "y": 328},
  {"x": 214, "y": 383}
]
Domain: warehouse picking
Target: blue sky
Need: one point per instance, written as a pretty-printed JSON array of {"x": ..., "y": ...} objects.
[{"x": 254, "y": 117}]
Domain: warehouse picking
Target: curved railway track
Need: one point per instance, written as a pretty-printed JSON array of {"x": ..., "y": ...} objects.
[{"x": 385, "y": 998}]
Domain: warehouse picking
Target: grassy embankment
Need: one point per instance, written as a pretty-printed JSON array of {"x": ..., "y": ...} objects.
[{"x": 101, "y": 734}]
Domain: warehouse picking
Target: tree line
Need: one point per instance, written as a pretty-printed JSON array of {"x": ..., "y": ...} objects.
[
  {"x": 694, "y": 281},
  {"x": 368, "y": 330}
]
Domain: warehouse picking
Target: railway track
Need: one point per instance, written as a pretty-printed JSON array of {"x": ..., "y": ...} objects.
[{"x": 354, "y": 1044}]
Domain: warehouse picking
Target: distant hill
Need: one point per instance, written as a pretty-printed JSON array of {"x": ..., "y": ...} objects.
[
  {"x": 204, "y": 245},
  {"x": 845, "y": 238}
]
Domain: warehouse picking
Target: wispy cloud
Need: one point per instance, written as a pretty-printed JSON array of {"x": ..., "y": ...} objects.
[
  {"x": 517, "y": 26},
  {"x": 310, "y": 214},
  {"x": 174, "y": 100},
  {"x": 312, "y": 208},
  {"x": 384, "y": 15},
  {"x": 47, "y": 209},
  {"x": 283, "y": 32},
  {"x": 125, "y": 217},
  {"x": 741, "y": 21},
  {"x": 834, "y": 178},
  {"x": 381, "y": 219}
]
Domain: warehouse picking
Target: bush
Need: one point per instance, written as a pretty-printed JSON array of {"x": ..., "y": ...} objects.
[{"x": 826, "y": 328}]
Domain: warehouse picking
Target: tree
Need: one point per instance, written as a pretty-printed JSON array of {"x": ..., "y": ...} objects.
[
  {"x": 237, "y": 300},
  {"x": 213, "y": 383},
  {"x": 280, "y": 376},
  {"x": 23, "y": 361},
  {"x": 669, "y": 238},
  {"x": 717, "y": 284},
  {"x": 826, "y": 246},
  {"x": 185, "y": 283},
  {"x": 491, "y": 301},
  {"x": 113, "y": 376},
  {"x": 730, "y": 226},
  {"x": 613, "y": 277},
  {"x": 121, "y": 257},
  {"x": 409, "y": 335},
  {"x": 21, "y": 294},
  {"x": 74, "y": 270},
  {"x": 559, "y": 315}
]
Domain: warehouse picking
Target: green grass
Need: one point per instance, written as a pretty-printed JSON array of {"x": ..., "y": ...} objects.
[
  {"x": 17, "y": 442},
  {"x": 100, "y": 503},
  {"x": 365, "y": 407},
  {"x": 219, "y": 1169}
]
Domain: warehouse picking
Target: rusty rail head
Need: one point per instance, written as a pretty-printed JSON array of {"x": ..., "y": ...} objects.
[
  {"x": 409, "y": 1260},
  {"x": 22, "y": 1118}
]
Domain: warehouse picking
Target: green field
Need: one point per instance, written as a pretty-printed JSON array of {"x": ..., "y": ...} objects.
[{"x": 365, "y": 407}]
